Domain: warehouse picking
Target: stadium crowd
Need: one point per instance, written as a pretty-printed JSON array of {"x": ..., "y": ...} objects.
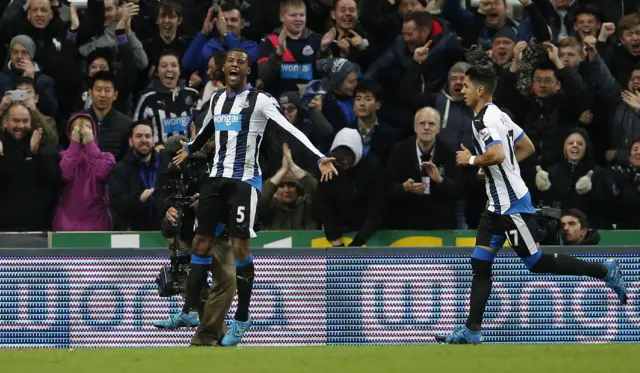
[{"x": 91, "y": 91}]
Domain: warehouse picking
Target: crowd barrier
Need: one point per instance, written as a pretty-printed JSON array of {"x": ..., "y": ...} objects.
[{"x": 71, "y": 298}]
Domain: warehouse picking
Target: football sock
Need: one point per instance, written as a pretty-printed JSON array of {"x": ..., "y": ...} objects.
[{"x": 245, "y": 272}]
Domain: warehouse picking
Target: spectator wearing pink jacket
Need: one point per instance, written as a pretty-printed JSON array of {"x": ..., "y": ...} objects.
[{"x": 84, "y": 201}]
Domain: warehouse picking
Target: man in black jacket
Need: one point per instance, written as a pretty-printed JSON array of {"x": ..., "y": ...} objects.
[
  {"x": 425, "y": 181},
  {"x": 113, "y": 126},
  {"x": 30, "y": 173},
  {"x": 353, "y": 200},
  {"x": 132, "y": 183},
  {"x": 575, "y": 229}
]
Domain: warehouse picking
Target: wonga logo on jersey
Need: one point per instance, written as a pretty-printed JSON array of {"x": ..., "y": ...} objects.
[
  {"x": 228, "y": 122},
  {"x": 296, "y": 71}
]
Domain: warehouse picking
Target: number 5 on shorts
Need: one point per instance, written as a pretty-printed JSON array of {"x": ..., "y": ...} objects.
[{"x": 240, "y": 214}]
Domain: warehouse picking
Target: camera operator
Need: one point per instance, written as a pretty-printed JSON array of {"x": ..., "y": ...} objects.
[
  {"x": 575, "y": 229},
  {"x": 177, "y": 201},
  {"x": 627, "y": 191}
]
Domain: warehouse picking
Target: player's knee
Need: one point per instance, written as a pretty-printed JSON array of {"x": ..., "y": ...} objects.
[
  {"x": 481, "y": 268},
  {"x": 241, "y": 249},
  {"x": 201, "y": 244},
  {"x": 535, "y": 262}
]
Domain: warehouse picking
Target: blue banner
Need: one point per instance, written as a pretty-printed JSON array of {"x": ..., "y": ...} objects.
[{"x": 111, "y": 301}]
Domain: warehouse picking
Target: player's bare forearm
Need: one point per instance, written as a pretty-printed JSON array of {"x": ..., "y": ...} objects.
[
  {"x": 493, "y": 156},
  {"x": 524, "y": 148}
]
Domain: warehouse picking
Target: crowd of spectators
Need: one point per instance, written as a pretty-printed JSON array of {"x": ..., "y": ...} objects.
[{"x": 91, "y": 91}]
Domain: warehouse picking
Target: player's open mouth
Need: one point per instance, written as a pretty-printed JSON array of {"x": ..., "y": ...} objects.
[{"x": 233, "y": 74}]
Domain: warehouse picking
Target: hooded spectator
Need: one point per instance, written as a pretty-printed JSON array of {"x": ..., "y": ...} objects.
[
  {"x": 353, "y": 200},
  {"x": 627, "y": 191},
  {"x": 84, "y": 202}
]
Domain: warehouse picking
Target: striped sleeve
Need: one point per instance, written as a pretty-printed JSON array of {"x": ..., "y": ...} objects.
[
  {"x": 208, "y": 128},
  {"x": 487, "y": 129},
  {"x": 270, "y": 108}
]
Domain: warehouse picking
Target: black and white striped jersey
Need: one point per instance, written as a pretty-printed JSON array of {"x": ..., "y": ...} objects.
[
  {"x": 238, "y": 122},
  {"x": 506, "y": 190},
  {"x": 170, "y": 111}
]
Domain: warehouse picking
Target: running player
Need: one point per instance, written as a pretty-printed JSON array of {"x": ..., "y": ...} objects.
[
  {"x": 499, "y": 144},
  {"x": 238, "y": 116}
]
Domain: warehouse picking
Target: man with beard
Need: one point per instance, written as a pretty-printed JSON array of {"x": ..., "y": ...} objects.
[
  {"x": 237, "y": 117},
  {"x": 166, "y": 103},
  {"x": 113, "y": 126},
  {"x": 30, "y": 173},
  {"x": 132, "y": 183}
]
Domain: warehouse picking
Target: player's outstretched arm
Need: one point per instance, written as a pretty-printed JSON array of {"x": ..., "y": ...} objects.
[
  {"x": 524, "y": 148},
  {"x": 270, "y": 109},
  {"x": 492, "y": 156}
]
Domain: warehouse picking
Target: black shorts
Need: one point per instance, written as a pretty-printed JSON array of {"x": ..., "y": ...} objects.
[
  {"x": 520, "y": 229},
  {"x": 228, "y": 201}
]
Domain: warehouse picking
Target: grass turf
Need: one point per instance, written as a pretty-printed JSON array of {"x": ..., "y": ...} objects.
[{"x": 335, "y": 359}]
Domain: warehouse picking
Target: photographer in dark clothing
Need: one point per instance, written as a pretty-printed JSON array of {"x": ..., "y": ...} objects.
[{"x": 575, "y": 229}]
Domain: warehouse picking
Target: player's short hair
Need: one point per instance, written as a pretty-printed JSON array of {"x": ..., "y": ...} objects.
[
  {"x": 286, "y": 4},
  {"x": 142, "y": 122},
  {"x": 239, "y": 50},
  {"x": 581, "y": 216},
  {"x": 105, "y": 76},
  {"x": 484, "y": 76}
]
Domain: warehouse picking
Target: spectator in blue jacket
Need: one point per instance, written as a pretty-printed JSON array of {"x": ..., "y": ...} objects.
[{"x": 229, "y": 24}]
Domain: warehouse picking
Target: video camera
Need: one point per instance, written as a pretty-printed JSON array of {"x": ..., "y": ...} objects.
[
  {"x": 180, "y": 184},
  {"x": 548, "y": 219}
]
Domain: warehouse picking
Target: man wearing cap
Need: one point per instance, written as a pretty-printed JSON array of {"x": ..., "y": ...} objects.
[
  {"x": 21, "y": 64},
  {"x": 502, "y": 46},
  {"x": 288, "y": 197}
]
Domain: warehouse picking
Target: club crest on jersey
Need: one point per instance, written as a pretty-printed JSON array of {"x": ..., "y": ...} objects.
[
  {"x": 485, "y": 134},
  {"x": 228, "y": 122},
  {"x": 307, "y": 51},
  {"x": 244, "y": 104}
]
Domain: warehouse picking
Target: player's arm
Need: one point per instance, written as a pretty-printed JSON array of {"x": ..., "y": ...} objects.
[
  {"x": 269, "y": 108},
  {"x": 524, "y": 147},
  {"x": 205, "y": 133},
  {"x": 493, "y": 155}
]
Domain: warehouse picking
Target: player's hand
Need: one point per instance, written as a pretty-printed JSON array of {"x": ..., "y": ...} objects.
[
  {"x": 433, "y": 172},
  {"x": 327, "y": 169},
  {"x": 171, "y": 215},
  {"x": 584, "y": 185},
  {"x": 542, "y": 179},
  {"x": 462, "y": 156},
  {"x": 182, "y": 154},
  {"x": 480, "y": 175},
  {"x": 413, "y": 187}
]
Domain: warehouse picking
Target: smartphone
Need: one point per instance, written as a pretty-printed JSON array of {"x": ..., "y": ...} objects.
[
  {"x": 18, "y": 95},
  {"x": 80, "y": 4}
]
